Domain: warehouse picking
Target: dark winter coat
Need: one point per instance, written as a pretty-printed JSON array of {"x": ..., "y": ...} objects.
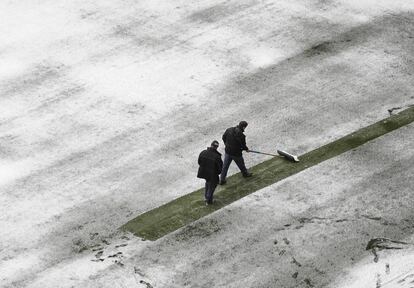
[
  {"x": 235, "y": 141},
  {"x": 210, "y": 165}
]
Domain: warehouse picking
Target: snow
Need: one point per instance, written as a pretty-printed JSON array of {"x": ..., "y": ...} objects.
[
  {"x": 365, "y": 272},
  {"x": 264, "y": 56},
  {"x": 11, "y": 268},
  {"x": 12, "y": 170},
  {"x": 105, "y": 105}
]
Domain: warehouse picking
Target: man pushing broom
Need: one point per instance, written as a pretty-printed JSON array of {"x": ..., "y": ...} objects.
[{"x": 235, "y": 142}]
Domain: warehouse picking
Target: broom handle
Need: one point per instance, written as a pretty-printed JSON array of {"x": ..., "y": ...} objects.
[{"x": 258, "y": 152}]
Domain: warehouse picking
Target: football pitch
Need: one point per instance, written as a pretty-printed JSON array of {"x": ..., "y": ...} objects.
[
  {"x": 191, "y": 207},
  {"x": 106, "y": 105}
]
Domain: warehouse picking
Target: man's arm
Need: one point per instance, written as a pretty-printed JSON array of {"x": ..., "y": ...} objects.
[
  {"x": 200, "y": 158},
  {"x": 224, "y": 136},
  {"x": 243, "y": 142},
  {"x": 219, "y": 165}
]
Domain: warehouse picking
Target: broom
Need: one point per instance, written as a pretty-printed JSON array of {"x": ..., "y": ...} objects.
[{"x": 280, "y": 153}]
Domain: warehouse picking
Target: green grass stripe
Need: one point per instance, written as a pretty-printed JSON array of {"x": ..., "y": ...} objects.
[{"x": 171, "y": 216}]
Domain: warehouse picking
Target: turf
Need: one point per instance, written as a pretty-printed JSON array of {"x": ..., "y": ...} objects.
[{"x": 171, "y": 216}]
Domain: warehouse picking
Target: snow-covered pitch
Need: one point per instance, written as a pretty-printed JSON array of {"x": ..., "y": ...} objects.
[{"x": 105, "y": 105}]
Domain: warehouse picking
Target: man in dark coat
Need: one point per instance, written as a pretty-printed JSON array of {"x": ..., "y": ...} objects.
[
  {"x": 235, "y": 142},
  {"x": 210, "y": 167}
]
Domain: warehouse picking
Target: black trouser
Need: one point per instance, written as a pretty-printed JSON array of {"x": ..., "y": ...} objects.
[{"x": 209, "y": 190}]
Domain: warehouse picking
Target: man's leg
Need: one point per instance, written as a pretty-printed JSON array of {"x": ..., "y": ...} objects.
[
  {"x": 226, "y": 165},
  {"x": 213, "y": 186},
  {"x": 240, "y": 163},
  {"x": 206, "y": 190}
]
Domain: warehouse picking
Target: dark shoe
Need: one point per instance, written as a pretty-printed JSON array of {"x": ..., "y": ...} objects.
[
  {"x": 223, "y": 182},
  {"x": 209, "y": 203},
  {"x": 248, "y": 174}
]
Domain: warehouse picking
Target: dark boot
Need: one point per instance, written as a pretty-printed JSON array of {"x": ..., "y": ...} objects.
[{"x": 247, "y": 174}]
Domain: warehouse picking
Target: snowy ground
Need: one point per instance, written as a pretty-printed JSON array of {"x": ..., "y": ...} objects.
[{"x": 105, "y": 107}]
